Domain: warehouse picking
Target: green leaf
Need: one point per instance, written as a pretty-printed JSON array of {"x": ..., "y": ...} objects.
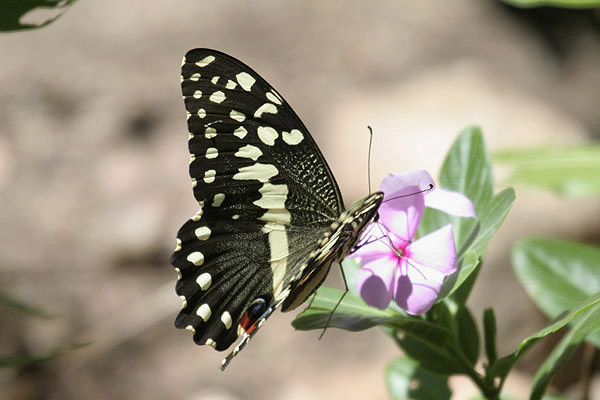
[
  {"x": 435, "y": 347},
  {"x": 491, "y": 219},
  {"x": 406, "y": 380},
  {"x": 570, "y": 171},
  {"x": 489, "y": 334},
  {"x": 466, "y": 169},
  {"x": 28, "y": 359},
  {"x": 18, "y": 306},
  {"x": 13, "y": 11},
  {"x": 554, "y": 3},
  {"x": 468, "y": 336},
  {"x": 557, "y": 274},
  {"x": 587, "y": 322},
  {"x": 468, "y": 270},
  {"x": 352, "y": 314},
  {"x": 503, "y": 365},
  {"x": 460, "y": 323}
]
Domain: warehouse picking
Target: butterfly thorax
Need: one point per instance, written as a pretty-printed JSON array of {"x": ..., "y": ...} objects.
[{"x": 333, "y": 246}]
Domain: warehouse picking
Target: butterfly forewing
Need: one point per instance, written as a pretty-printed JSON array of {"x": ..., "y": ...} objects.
[{"x": 237, "y": 120}]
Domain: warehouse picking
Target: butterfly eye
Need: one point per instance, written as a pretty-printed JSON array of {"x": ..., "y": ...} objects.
[{"x": 257, "y": 308}]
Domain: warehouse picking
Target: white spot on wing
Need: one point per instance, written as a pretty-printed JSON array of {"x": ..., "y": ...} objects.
[
  {"x": 293, "y": 137},
  {"x": 258, "y": 171},
  {"x": 236, "y": 115},
  {"x": 205, "y": 61},
  {"x": 178, "y": 271},
  {"x": 195, "y": 77},
  {"x": 204, "y": 312},
  {"x": 211, "y": 343},
  {"x": 209, "y": 176},
  {"x": 178, "y": 245},
  {"x": 210, "y": 132},
  {"x": 217, "y": 97},
  {"x": 230, "y": 85},
  {"x": 204, "y": 281},
  {"x": 196, "y": 258},
  {"x": 196, "y": 217},
  {"x": 215, "y": 80},
  {"x": 240, "y": 132},
  {"x": 211, "y": 153},
  {"x": 218, "y": 200},
  {"x": 183, "y": 302},
  {"x": 249, "y": 151},
  {"x": 274, "y": 98},
  {"x": 202, "y": 233},
  {"x": 267, "y": 135},
  {"x": 245, "y": 80},
  {"x": 273, "y": 197},
  {"x": 226, "y": 319},
  {"x": 190, "y": 328},
  {"x": 201, "y": 113},
  {"x": 192, "y": 158},
  {"x": 265, "y": 108},
  {"x": 279, "y": 251},
  {"x": 197, "y": 94}
]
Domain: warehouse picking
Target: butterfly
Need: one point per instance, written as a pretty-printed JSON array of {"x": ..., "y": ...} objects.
[{"x": 271, "y": 219}]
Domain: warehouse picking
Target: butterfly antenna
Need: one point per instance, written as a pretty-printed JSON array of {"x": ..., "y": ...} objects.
[
  {"x": 369, "y": 157},
  {"x": 430, "y": 187},
  {"x": 336, "y": 304}
]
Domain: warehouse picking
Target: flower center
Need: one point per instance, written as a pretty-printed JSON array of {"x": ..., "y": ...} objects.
[{"x": 398, "y": 252}]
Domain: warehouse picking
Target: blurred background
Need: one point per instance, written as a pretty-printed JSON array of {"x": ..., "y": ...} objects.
[{"x": 94, "y": 181}]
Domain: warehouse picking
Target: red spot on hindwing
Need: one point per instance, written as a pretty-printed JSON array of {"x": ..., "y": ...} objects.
[{"x": 248, "y": 324}]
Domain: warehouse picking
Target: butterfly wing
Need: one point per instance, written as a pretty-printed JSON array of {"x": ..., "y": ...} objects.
[{"x": 265, "y": 193}]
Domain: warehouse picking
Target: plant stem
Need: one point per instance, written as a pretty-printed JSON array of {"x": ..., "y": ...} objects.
[
  {"x": 489, "y": 391},
  {"x": 590, "y": 357}
]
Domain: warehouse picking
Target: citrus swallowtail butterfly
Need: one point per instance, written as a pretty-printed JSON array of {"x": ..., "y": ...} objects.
[{"x": 271, "y": 219}]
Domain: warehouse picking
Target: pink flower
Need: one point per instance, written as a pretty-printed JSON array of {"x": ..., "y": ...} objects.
[{"x": 394, "y": 266}]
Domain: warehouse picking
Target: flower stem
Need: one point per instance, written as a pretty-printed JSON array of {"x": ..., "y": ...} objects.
[{"x": 490, "y": 392}]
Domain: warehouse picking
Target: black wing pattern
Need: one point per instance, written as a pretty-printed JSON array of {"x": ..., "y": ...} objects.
[{"x": 269, "y": 218}]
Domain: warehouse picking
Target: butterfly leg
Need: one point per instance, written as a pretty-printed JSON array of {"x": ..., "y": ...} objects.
[{"x": 346, "y": 289}]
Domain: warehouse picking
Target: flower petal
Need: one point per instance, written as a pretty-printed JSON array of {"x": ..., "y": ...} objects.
[
  {"x": 373, "y": 245},
  {"x": 375, "y": 283},
  {"x": 394, "y": 183},
  {"x": 415, "y": 294},
  {"x": 402, "y": 215},
  {"x": 436, "y": 251},
  {"x": 430, "y": 260},
  {"x": 450, "y": 202}
]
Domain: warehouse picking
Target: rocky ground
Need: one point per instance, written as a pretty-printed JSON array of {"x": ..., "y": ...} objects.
[{"x": 94, "y": 185}]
